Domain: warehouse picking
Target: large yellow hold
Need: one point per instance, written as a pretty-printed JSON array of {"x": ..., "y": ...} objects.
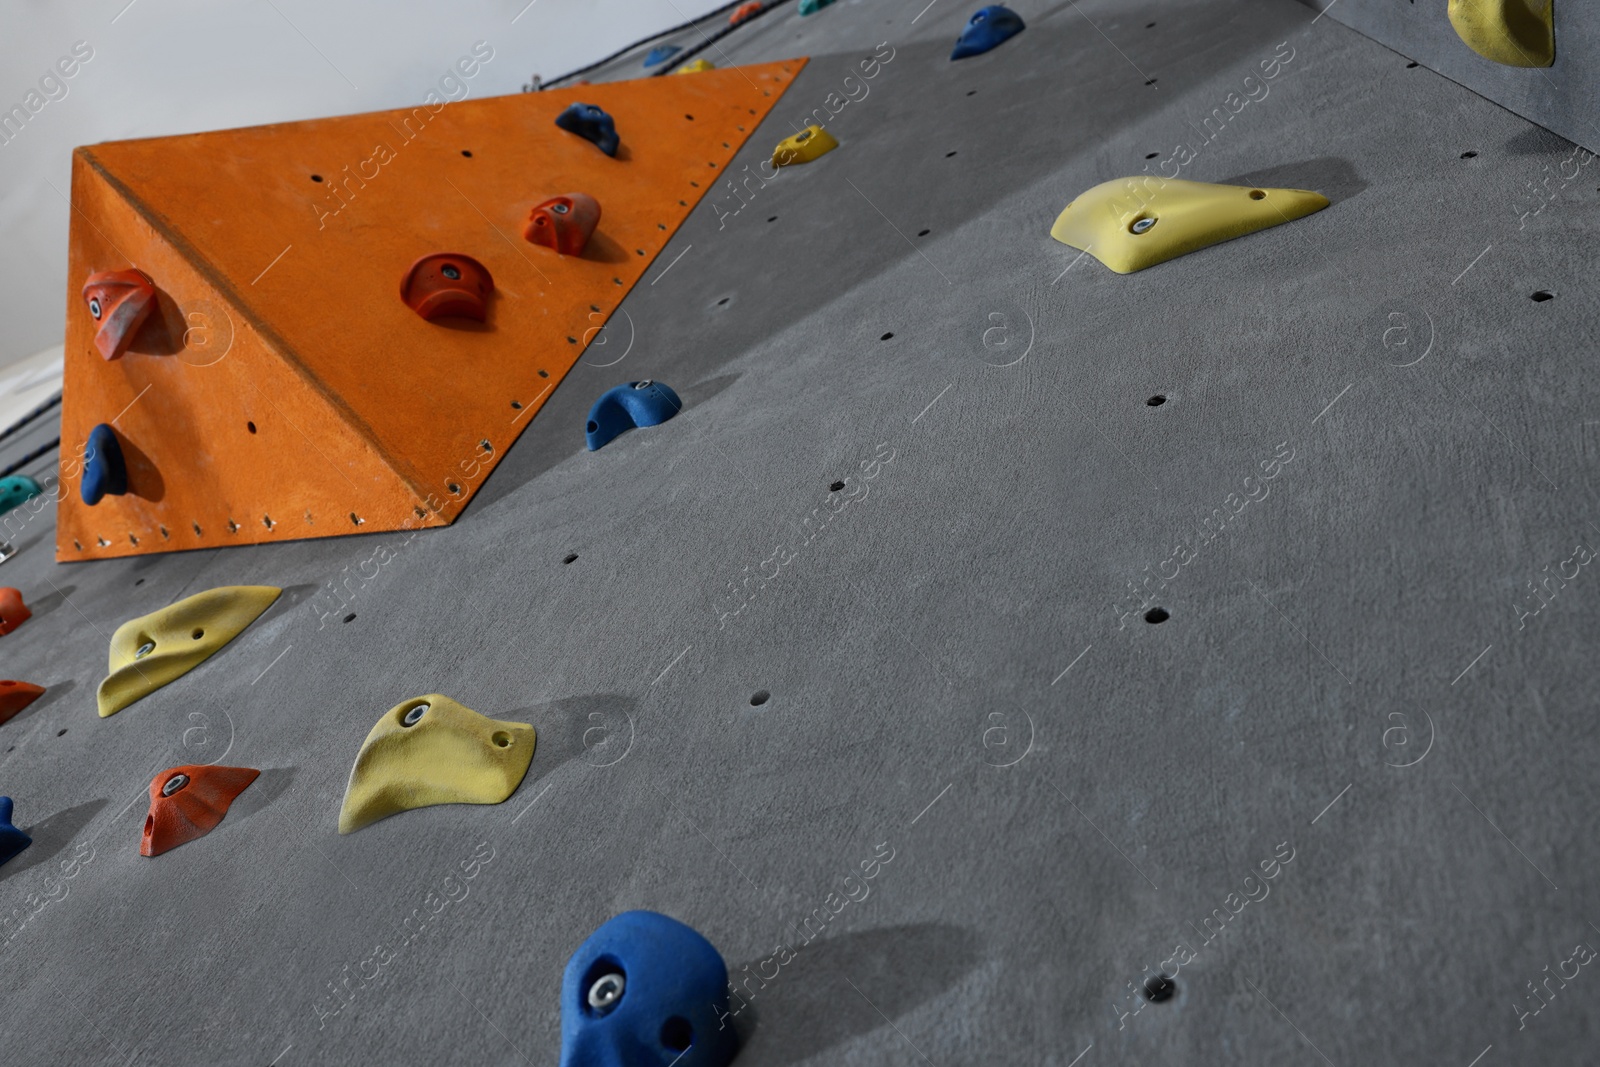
[
  {"x": 152, "y": 650},
  {"x": 1517, "y": 33},
  {"x": 1133, "y": 223},
  {"x": 431, "y": 750}
]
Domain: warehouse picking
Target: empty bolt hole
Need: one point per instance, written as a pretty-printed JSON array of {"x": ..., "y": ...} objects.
[
  {"x": 198, "y": 633},
  {"x": 501, "y": 739},
  {"x": 1156, "y": 615},
  {"x": 835, "y": 487},
  {"x": 316, "y": 177},
  {"x": 723, "y": 301},
  {"x": 356, "y": 520},
  {"x": 250, "y": 426},
  {"x": 544, "y": 374},
  {"x": 516, "y": 405},
  {"x": 886, "y": 336},
  {"x": 1469, "y": 155},
  {"x": 923, "y": 233},
  {"x": 1411, "y": 64},
  {"x": 1258, "y": 194},
  {"x": 61, "y": 733},
  {"x": 1542, "y": 295},
  {"x": 772, "y": 218},
  {"x": 1152, "y": 81},
  {"x": 570, "y": 557},
  {"x": 467, "y": 152},
  {"x": 972, "y": 92},
  {"x": 947, "y": 155},
  {"x": 1149, "y": 25},
  {"x": 453, "y": 487},
  {"x": 593, "y": 426},
  {"x": 350, "y": 617},
  {"x": 760, "y": 698},
  {"x": 1156, "y": 401},
  {"x": 1159, "y": 989},
  {"x": 1151, "y": 155},
  {"x": 139, "y": 582}
]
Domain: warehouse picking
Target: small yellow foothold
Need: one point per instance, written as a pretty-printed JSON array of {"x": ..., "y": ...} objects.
[
  {"x": 696, "y": 66},
  {"x": 805, "y": 146},
  {"x": 152, "y": 650},
  {"x": 1133, "y": 223},
  {"x": 431, "y": 750},
  {"x": 1517, "y": 33}
]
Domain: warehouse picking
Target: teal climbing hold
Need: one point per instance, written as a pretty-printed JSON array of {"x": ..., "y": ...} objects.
[
  {"x": 17, "y": 489},
  {"x": 811, "y": 7}
]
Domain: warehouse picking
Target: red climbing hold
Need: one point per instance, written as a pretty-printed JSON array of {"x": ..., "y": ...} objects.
[
  {"x": 120, "y": 301},
  {"x": 744, "y": 11},
  {"x": 13, "y": 612},
  {"x": 564, "y": 223},
  {"x": 14, "y": 696},
  {"x": 447, "y": 284},
  {"x": 189, "y": 802}
]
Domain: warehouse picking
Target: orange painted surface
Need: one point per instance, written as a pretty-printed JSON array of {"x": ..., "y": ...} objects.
[{"x": 281, "y": 389}]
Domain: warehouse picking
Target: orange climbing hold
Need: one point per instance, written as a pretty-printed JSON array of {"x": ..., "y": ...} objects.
[
  {"x": 744, "y": 11},
  {"x": 564, "y": 223},
  {"x": 14, "y": 696},
  {"x": 13, "y": 612},
  {"x": 189, "y": 802}
]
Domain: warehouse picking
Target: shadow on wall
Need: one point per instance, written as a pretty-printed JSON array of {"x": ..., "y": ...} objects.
[
  {"x": 811, "y": 1007},
  {"x": 1331, "y": 176},
  {"x": 51, "y": 835}
]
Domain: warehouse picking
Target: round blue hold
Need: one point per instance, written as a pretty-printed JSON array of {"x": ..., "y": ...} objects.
[
  {"x": 988, "y": 27},
  {"x": 660, "y": 54},
  {"x": 645, "y": 988}
]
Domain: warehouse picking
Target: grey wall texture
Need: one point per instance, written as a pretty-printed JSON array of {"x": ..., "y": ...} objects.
[
  {"x": 1559, "y": 97},
  {"x": 1364, "y": 504}
]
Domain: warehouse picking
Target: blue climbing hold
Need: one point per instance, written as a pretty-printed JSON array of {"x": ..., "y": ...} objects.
[
  {"x": 811, "y": 7},
  {"x": 630, "y": 404},
  {"x": 13, "y": 841},
  {"x": 103, "y": 469},
  {"x": 989, "y": 27},
  {"x": 646, "y": 989},
  {"x": 660, "y": 54},
  {"x": 16, "y": 489},
  {"x": 592, "y": 124}
]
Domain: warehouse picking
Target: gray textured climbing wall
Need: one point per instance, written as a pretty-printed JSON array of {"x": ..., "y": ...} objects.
[
  {"x": 1560, "y": 97},
  {"x": 1372, "y": 442}
]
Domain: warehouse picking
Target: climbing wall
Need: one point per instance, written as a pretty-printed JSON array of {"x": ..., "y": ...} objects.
[
  {"x": 1228, "y": 620},
  {"x": 263, "y": 404},
  {"x": 1557, "y": 96}
]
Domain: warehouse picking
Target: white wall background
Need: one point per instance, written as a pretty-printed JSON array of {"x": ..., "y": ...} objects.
[{"x": 178, "y": 66}]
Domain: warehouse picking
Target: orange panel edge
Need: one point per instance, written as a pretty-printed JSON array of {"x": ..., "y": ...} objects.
[{"x": 279, "y": 388}]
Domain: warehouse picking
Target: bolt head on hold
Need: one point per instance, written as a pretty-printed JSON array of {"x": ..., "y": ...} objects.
[
  {"x": 592, "y": 124},
  {"x": 643, "y": 403},
  {"x": 188, "y": 802},
  {"x": 988, "y": 27},
  {"x": 564, "y": 223},
  {"x": 646, "y": 988},
  {"x": 104, "y": 470},
  {"x": 448, "y": 285},
  {"x": 809, "y": 144},
  {"x": 120, "y": 301},
  {"x": 1141, "y": 225}
]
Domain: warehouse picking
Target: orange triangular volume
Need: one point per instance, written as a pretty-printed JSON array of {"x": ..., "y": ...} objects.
[{"x": 281, "y": 388}]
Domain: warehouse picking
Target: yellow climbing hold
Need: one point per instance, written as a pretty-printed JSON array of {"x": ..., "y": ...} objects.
[
  {"x": 152, "y": 650},
  {"x": 1517, "y": 33},
  {"x": 1133, "y": 223},
  {"x": 696, "y": 66},
  {"x": 805, "y": 146},
  {"x": 431, "y": 750}
]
